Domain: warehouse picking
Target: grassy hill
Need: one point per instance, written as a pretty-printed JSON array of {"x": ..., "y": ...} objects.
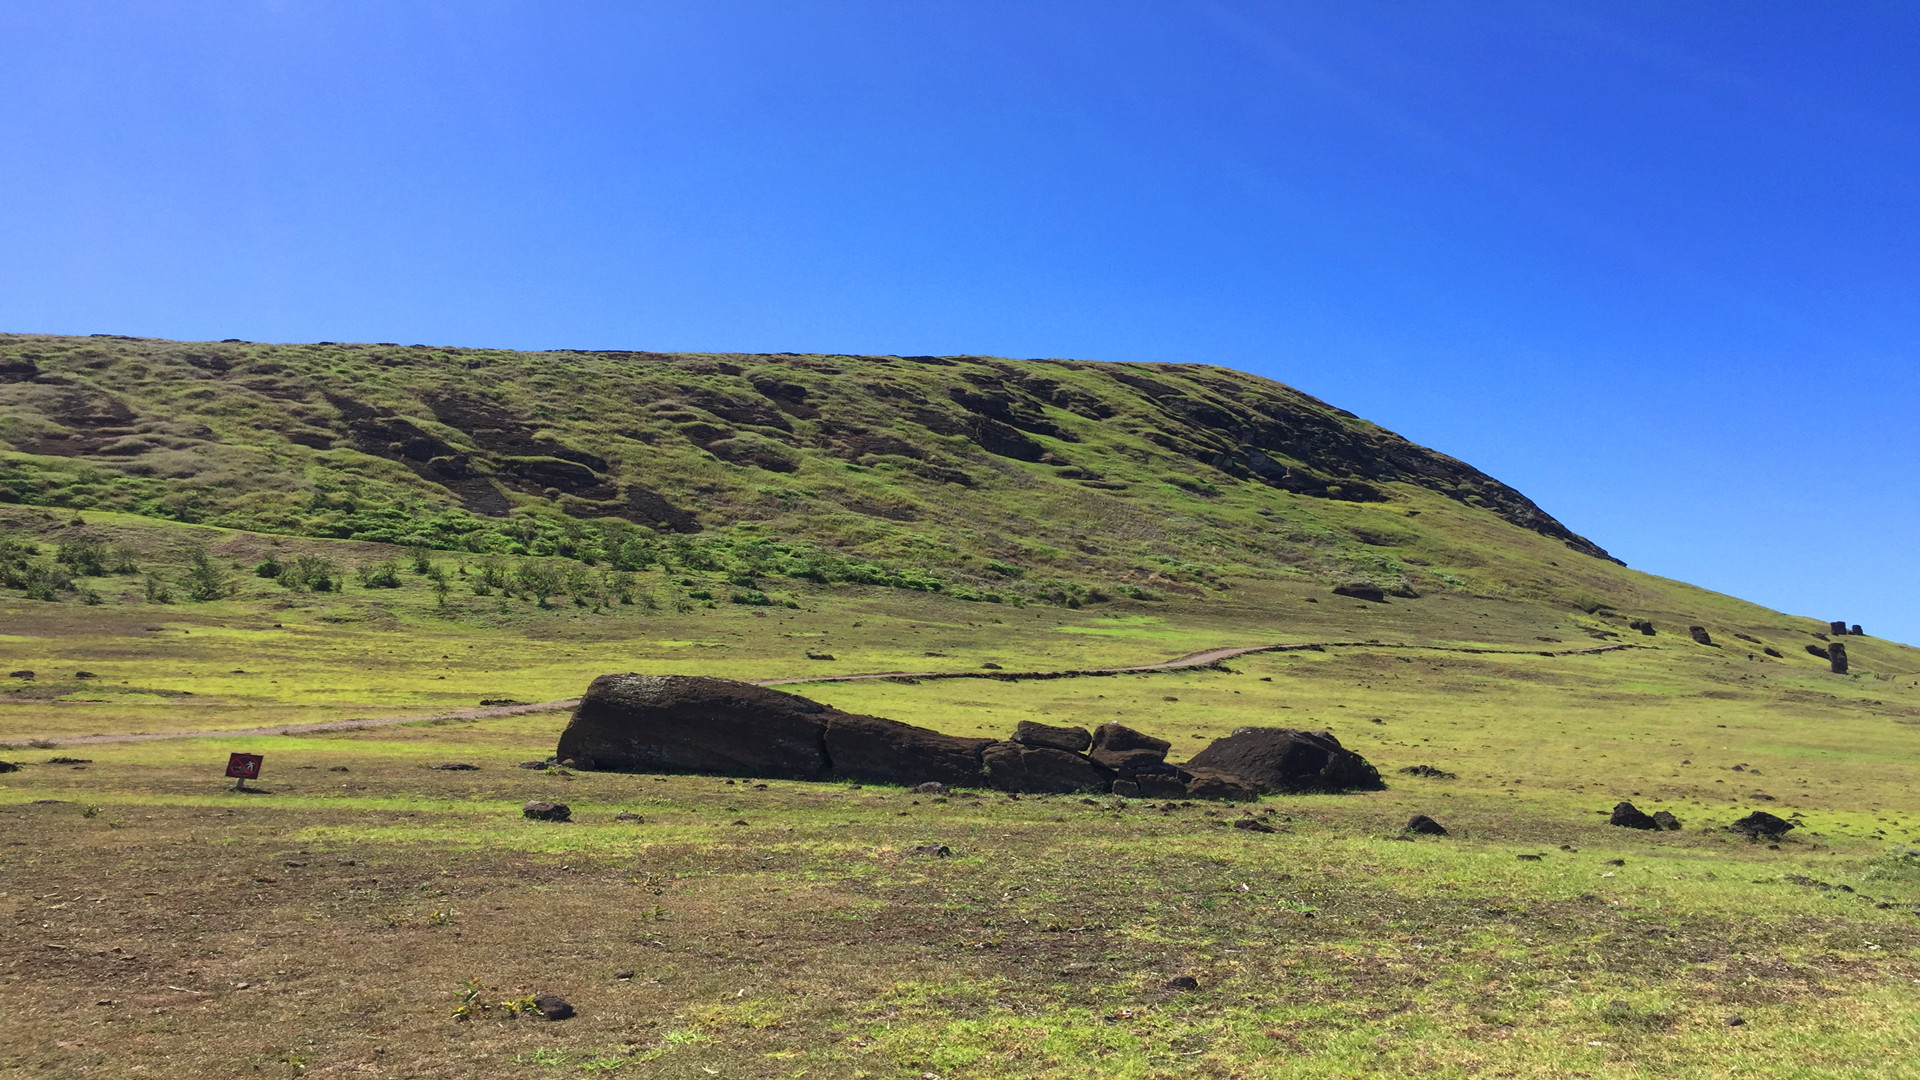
[{"x": 219, "y": 537}]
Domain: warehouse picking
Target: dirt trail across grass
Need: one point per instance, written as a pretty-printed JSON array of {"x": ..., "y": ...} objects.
[{"x": 1206, "y": 658}]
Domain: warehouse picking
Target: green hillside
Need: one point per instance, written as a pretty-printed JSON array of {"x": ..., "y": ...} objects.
[{"x": 985, "y": 479}]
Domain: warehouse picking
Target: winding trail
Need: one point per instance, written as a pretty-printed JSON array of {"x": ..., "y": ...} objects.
[{"x": 1206, "y": 658}]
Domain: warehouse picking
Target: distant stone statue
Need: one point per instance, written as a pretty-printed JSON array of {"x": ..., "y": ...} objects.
[
  {"x": 1837, "y": 657},
  {"x": 1837, "y": 629},
  {"x": 1700, "y": 634}
]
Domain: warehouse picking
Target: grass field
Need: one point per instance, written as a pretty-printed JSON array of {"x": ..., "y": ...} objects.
[
  {"x": 159, "y": 923},
  {"x": 217, "y": 537}
]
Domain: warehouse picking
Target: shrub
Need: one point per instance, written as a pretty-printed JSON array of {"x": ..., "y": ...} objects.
[
  {"x": 310, "y": 573},
  {"x": 380, "y": 575},
  {"x": 268, "y": 567},
  {"x": 204, "y": 579},
  {"x": 84, "y": 556}
]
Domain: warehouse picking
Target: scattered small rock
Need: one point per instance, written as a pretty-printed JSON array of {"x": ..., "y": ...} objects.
[
  {"x": 931, "y": 851},
  {"x": 21, "y": 674},
  {"x": 990, "y": 666},
  {"x": 547, "y": 811},
  {"x": 456, "y": 766},
  {"x": 931, "y": 787},
  {"x": 1252, "y": 825},
  {"x": 85, "y": 675},
  {"x": 491, "y": 701},
  {"x": 336, "y": 768},
  {"x": 629, "y": 816},
  {"x": 1182, "y": 984},
  {"x": 69, "y": 761},
  {"x": 627, "y": 974},
  {"x": 1429, "y": 772},
  {"x": 811, "y": 655},
  {"x": 552, "y": 1006},
  {"x": 1529, "y": 858},
  {"x": 1736, "y": 1021},
  {"x": 533, "y": 765},
  {"x": 1422, "y": 825},
  {"x": 1616, "y": 862}
]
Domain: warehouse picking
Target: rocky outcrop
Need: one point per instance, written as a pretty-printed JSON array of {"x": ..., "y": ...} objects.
[
  {"x": 1762, "y": 825},
  {"x": 890, "y": 752},
  {"x": 1013, "y": 766},
  {"x": 1128, "y": 752},
  {"x": 1284, "y": 760},
  {"x": 697, "y": 724},
  {"x": 1074, "y": 740}
]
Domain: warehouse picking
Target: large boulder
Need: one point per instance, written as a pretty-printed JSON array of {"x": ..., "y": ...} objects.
[
  {"x": 1074, "y": 740},
  {"x": 1285, "y": 760},
  {"x": 1208, "y": 784},
  {"x": 1013, "y": 766},
  {"x": 694, "y": 723},
  {"x": 1129, "y": 752},
  {"x": 882, "y": 751}
]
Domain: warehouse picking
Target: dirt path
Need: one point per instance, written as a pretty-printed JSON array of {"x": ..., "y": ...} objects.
[{"x": 1203, "y": 659}]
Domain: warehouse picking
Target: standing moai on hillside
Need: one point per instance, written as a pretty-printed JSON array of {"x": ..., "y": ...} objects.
[
  {"x": 1837, "y": 629},
  {"x": 1700, "y": 634},
  {"x": 1856, "y": 631},
  {"x": 1837, "y": 657}
]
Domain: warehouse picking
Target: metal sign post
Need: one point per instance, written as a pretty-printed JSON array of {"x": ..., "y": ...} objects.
[{"x": 243, "y": 767}]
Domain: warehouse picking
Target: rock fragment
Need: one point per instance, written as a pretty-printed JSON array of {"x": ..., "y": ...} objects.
[
  {"x": 546, "y": 811},
  {"x": 1422, "y": 825},
  {"x": 1628, "y": 816}
]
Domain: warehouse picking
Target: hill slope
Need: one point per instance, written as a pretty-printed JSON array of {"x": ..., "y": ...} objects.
[{"x": 984, "y": 472}]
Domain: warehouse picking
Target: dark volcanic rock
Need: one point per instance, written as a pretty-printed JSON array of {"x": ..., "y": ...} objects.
[
  {"x": 1182, "y": 984},
  {"x": 1014, "y": 766},
  {"x": 1253, "y": 825},
  {"x": 1700, "y": 634},
  {"x": 1208, "y": 784},
  {"x": 1285, "y": 760},
  {"x": 889, "y": 752},
  {"x": 686, "y": 723},
  {"x": 1762, "y": 824},
  {"x": 8, "y": 766},
  {"x": 1132, "y": 763},
  {"x": 1837, "y": 657},
  {"x": 547, "y": 811},
  {"x": 1361, "y": 591},
  {"x": 1072, "y": 739},
  {"x": 1126, "y": 789},
  {"x": 1422, "y": 825},
  {"x": 1119, "y": 737},
  {"x": 1666, "y": 820},
  {"x": 552, "y": 1006},
  {"x": 1628, "y": 816},
  {"x": 1173, "y": 784},
  {"x": 1429, "y": 772}
]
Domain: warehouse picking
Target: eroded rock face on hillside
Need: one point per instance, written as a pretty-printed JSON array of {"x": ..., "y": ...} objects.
[{"x": 683, "y": 723}]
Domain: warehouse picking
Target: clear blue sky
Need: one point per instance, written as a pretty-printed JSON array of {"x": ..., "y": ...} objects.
[{"x": 1656, "y": 265}]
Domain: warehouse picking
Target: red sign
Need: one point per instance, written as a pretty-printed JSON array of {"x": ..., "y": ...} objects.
[{"x": 243, "y": 766}]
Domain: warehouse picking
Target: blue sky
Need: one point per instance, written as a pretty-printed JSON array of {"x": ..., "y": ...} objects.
[{"x": 1653, "y": 264}]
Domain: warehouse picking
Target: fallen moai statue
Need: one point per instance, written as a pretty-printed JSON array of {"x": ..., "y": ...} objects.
[{"x": 699, "y": 724}]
